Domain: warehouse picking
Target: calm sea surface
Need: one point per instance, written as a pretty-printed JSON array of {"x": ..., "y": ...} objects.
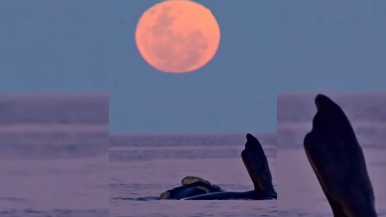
[
  {"x": 147, "y": 165},
  {"x": 56, "y": 163},
  {"x": 299, "y": 191},
  {"x": 53, "y": 156}
]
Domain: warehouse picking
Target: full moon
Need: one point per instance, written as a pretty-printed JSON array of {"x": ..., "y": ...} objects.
[{"x": 177, "y": 36}]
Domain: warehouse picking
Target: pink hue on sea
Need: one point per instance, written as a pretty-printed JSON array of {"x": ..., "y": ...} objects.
[
  {"x": 61, "y": 184},
  {"x": 54, "y": 155},
  {"x": 208, "y": 156},
  {"x": 299, "y": 191}
]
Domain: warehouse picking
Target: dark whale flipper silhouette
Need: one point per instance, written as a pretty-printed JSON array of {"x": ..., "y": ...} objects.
[
  {"x": 257, "y": 166},
  {"x": 338, "y": 162}
]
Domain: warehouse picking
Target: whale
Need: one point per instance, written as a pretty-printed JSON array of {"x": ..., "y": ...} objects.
[
  {"x": 256, "y": 163},
  {"x": 337, "y": 159},
  {"x": 191, "y": 186}
]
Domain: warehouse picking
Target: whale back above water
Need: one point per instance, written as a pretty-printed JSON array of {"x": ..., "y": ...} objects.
[
  {"x": 338, "y": 161},
  {"x": 191, "y": 186}
]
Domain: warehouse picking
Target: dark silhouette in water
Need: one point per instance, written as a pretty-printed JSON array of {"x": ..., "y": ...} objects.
[
  {"x": 338, "y": 162},
  {"x": 191, "y": 186},
  {"x": 194, "y": 188}
]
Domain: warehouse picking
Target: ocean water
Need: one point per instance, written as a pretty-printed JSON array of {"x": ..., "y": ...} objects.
[
  {"x": 55, "y": 161},
  {"x": 53, "y": 156},
  {"x": 299, "y": 191},
  {"x": 143, "y": 166}
]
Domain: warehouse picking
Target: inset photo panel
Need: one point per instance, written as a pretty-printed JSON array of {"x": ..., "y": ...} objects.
[
  {"x": 53, "y": 154},
  {"x": 331, "y": 154},
  {"x": 53, "y": 109}
]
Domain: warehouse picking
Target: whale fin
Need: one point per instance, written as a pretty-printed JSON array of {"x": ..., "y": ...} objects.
[
  {"x": 338, "y": 161},
  {"x": 337, "y": 209},
  {"x": 256, "y": 164}
]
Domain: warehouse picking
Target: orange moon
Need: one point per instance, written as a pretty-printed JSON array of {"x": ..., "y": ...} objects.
[{"x": 177, "y": 36}]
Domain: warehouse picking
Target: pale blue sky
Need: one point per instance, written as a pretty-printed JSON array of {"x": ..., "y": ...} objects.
[
  {"x": 266, "y": 47},
  {"x": 333, "y": 46},
  {"x": 52, "y": 45}
]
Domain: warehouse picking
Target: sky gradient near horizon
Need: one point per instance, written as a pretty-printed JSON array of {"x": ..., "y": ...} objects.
[{"x": 266, "y": 48}]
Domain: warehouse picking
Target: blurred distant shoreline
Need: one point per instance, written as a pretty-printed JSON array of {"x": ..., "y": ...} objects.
[
  {"x": 52, "y": 126},
  {"x": 366, "y": 112}
]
